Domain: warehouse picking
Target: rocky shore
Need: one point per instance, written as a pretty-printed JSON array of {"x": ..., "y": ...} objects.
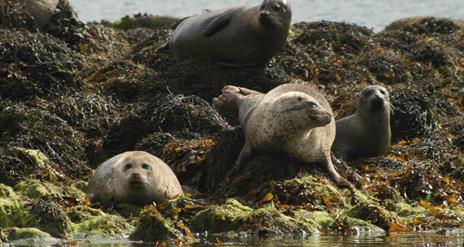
[{"x": 75, "y": 94}]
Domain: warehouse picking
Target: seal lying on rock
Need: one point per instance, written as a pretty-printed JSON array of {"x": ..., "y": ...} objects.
[
  {"x": 238, "y": 37},
  {"x": 292, "y": 118},
  {"x": 367, "y": 132},
  {"x": 41, "y": 10},
  {"x": 133, "y": 177}
]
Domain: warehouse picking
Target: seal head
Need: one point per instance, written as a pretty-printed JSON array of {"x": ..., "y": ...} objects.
[
  {"x": 276, "y": 13},
  {"x": 133, "y": 177}
]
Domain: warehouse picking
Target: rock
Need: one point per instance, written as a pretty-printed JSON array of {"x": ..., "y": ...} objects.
[{"x": 152, "y": 227}]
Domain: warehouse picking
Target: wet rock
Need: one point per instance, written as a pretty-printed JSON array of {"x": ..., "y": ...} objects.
[
  {"x": 36, "y": 65},
  {"x": 373, "y": 214},
  {"x": 51, "y": 218},
  {"x": 424, "y": 25},
  {"x": 35, "y": 234},
  {"x": 103, "y": 226},
  {"x": 413, "y": 115},
  {"x": 310, "y": 192},
  {"x": 230, "y": 216},
  {"x": 270, "y": 221},
  {"x": 15, "y": 214},
  {"x": 40, "y": 130},
  {"x": 145, "y": 21},
  {"x": 152, "y": 227}
]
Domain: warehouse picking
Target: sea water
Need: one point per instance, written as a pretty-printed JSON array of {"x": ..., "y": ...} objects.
[{"x": 375, "y": 14}]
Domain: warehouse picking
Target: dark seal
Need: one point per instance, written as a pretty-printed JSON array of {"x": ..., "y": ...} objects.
[
  {"x": 367, "y": 132},
  {"x": 237, "y": 37}
]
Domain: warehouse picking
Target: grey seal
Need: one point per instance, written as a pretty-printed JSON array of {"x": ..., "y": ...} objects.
[
  {"x": 41, "y": 10},
  {"x": 292, "y": 118},
  {"x": 367, "y": 132},
  {"x": 237, "y": 37},
  {"x": 135, "y": 177}
]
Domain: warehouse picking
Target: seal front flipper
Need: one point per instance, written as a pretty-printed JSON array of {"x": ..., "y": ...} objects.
[
  {"x": 163, "y": 48},
  {"x": 215, "y": 23}
]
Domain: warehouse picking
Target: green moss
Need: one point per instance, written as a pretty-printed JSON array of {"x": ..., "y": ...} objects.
[
  {"x": 102, "y": 226},
  {"x": 81, "y": 185},
  {"x": 38, "y": 158},
  {"x": 82, "y": 213},
  {"x": 321, "y": 219},
  {"x": 270, "y": 221},
  {"x": 374, "y": 214},
  {"x": 356, "y": 226},
  {"x": 37, "y": 189},
  {"x": 312, "y": 190},
  {"x": 152, "y": 226},
  {"x": 14, "y": 234},
  {"x": 6, "y": 192},
  {"x": 407, "y": 210},
  {"x": 227, "y": 217},
  {"x": 14, "y": 214}
]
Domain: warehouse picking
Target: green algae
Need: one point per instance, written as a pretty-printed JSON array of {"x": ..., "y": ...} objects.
[
  {"x": 320, "y": 219},
  {"x": 270, "y": 221},
  {"x": 227, "y": 217},
  {"x": 51, "y": 218},
  {"x": 82, "y": 213},
  {"x": 39, "y": 159},
  {"x": 15, "y": 214},
  {"x": 374, "y": 214},
  {"x": 14, "y": 233},
  {"x": 152, "y": 226},
  {"x": 102, "y": 226},
  {"x": 314, "y": 191},
  {"x": 37, "y": 189},
  {"x": 6, "y": 192}
]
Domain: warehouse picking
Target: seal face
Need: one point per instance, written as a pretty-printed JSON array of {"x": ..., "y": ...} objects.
[
  {"x": 367, "y": 132},
  {"x": 133, "y": 177},
  {"x": 241, "y": 36},
  {"x": 292, "y": 118}
]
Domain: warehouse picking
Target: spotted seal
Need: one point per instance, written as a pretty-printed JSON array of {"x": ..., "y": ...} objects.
[
  {"x": 135, "y": 177},
  {"x": 292, "y": 118}
]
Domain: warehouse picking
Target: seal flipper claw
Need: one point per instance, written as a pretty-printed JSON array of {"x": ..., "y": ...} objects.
[
  {"x": 244, "y": 156},
  {"x": 339, "y": 180}
]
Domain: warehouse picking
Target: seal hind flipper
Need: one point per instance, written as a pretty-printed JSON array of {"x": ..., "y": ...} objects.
[
  {"x": 163, "y": 48},
  {"x": 215, "y": 23}
]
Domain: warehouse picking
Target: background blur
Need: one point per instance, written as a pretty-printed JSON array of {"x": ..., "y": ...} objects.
[{"x": 374, "y": 14}]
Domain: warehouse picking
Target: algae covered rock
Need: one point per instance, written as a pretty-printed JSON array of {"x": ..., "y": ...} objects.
[
  {"x": 145, "y": 21},
  {"x": 15, "y": 233},
  {"x": 229, "y": 216},
  {"x": 37, "y": 189},
  {"x": 15, "y": 214},
  {"x": 102, "y": 226},
  {"x": 374, "y": 214},
  {"x": 152, "y": 226},
  {"x": 51, "y": 218}
]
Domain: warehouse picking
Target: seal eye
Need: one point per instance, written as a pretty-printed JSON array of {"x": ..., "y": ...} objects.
[
  {"x": 127, "y": 166},
  {"x": 299, "y": 99},
  {"x": 261, "y": 7},
  {"x": 276, "y": 7},
  {"x": 145, "y": 166},
  {"x": 383, "y": 92},
  {"x": 312, "y": 104}
]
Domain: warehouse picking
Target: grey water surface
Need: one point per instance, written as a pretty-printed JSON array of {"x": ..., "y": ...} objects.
[{"x": 375, "y": 14}]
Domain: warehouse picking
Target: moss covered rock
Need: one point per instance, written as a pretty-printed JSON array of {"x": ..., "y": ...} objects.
[
  {"x": 15, "y": 214},
  {"x": 227, "y": 217},
  {"x": 15, "y": 233},
  {"x": 6, "y": 192},
  {"x": 102, "y": 226},
  {"x": 152, "y": 226},
  {"x": 51, "y": 218},
  {"x": 374, "y": 214},
  {"x": 37, "y": 189}
]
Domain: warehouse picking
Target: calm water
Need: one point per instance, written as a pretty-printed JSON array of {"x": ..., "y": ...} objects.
[
  {"x": 374, "y": 14},
  {"x": 365, "y": 240}
]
